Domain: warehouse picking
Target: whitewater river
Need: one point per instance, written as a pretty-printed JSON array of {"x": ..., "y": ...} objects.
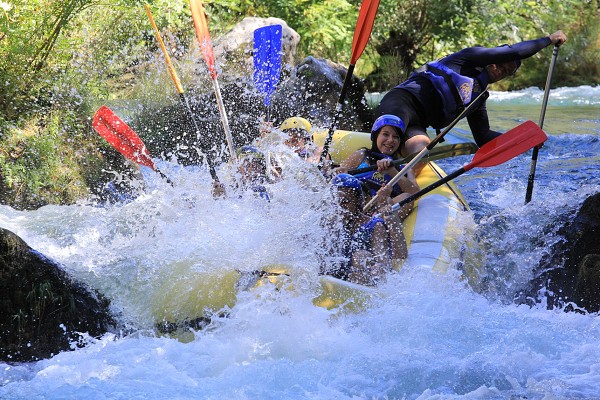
[{"x": 430, "y": 337}]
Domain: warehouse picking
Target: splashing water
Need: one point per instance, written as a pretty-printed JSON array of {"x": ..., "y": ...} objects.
[{"x": 429, "y": 336}]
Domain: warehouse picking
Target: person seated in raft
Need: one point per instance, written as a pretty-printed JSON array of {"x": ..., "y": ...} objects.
[
  {"x": 297, "y": 135},
  {"x": 386, "y": 139},
  {"x": 252, "y": 171},
  {"x": 372, "y": 246},
  {"x": 126, "y": 184},
  {"x": 300, "y": 139}
]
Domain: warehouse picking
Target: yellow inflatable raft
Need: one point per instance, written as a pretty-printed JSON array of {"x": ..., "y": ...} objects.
[{"x": 435, "y": 240}]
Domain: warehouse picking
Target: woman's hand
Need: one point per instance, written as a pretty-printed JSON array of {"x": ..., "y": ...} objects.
[
  {"x": 391, "y": 218},
  {"x": 383, "y": 198},
  {"x": 265, "y": 127},
  {"x": 384, "y": 164}
]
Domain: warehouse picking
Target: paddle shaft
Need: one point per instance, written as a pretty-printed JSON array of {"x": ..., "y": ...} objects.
[
  {"x": 164, "y": 50},
  {"x": 336, "y": 115},
  {"x": 429, "y": 188},
  {"x": 203, "y": 36},
  {"x": 362, "y": 33},
  {"x": 192, "y": 117},
  {"x": 426, "y": 149},
  {"x": 534, "y": 154},
  {"x": 497, "y": 151},
  {"x": 179, "y": 87},
  {"x": 224, "y": 120},
  {"x": 458, "y": 149}
]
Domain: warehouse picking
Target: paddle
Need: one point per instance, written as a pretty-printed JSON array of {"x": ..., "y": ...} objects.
[
  {"x": 362, "y": 32},
  {"x": 534, "y": 154},
  {"x": 267, "y": 60},
  {"x": 427, "y": 149},
  {"x": 497, "y": 151},
  {"x": 203, "y": 36},
  {"x": 179, "y": 87},
  {"x": 451, "y": 150},
  {"x": 123, "y": 138}
]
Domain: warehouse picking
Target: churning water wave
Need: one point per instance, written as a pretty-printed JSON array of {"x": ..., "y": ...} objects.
[
  {"x": 430, "y": 336},
  {"x": 566, "y": 96}
]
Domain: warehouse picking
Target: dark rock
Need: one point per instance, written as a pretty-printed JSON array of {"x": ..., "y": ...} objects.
[
  {"x": 312, "y": 91},
  {"x": 587, "y": 291},
  {"x": 42, "y": 310},
  {"x": 570, "y": 273}
]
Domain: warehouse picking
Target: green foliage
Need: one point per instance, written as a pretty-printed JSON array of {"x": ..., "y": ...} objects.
[
  {"x": 40, "y": 161},
  {"x": 409, "y": 33},
  {"x": 59, "y": 60},
  {"x": 329, "y": 29},
  {"x": 42, "y": 45}
]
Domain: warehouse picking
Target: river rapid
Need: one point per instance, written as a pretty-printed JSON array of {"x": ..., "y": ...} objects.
[{"x": 430, "y": 337}]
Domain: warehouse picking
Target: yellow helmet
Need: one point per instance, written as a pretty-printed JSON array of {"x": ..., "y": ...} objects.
[{"x": 296, "y": 123}]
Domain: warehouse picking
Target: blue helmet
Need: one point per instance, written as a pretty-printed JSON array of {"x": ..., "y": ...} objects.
[
  {"x": 347, "y": 180},
  {"x": 386, "y": 119}
]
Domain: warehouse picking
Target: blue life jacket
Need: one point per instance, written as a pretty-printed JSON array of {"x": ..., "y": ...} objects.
[
  {"x": 456, "y": 90},
  {"x": 374, "y": 180}
]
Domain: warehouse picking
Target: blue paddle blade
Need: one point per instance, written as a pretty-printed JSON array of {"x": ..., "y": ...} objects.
[{"x": 267, "y": 59}]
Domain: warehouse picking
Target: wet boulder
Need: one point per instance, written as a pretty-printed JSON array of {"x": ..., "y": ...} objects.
[
  {"x": 587, "y": 290},
  {"x": 569, "y": 276},
  {"x": 234, "y": 50},
  {"x": 310, "y": 89},
  {"x": 313, "y": 92},
  {"x": 42, "y": 310}
]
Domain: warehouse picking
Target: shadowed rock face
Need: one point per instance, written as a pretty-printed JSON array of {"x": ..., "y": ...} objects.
[
  {"x": 311, "y": 91},
  {"x": 309, "y": 88},
  {"x": 571, "y": 271},
  {"x": 42, "y": 310},
  {"x": 587, "y": 291}
]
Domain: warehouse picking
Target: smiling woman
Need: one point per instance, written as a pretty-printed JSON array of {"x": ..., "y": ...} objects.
[{"x": 385, "y": 148}]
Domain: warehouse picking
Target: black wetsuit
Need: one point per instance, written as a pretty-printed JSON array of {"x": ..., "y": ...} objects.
[{"x": 419, "y": 104}]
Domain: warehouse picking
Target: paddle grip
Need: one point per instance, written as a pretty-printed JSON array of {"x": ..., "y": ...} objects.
[
  {"x": 458, "y": 149},
  {"x": 395, "y": 163}
]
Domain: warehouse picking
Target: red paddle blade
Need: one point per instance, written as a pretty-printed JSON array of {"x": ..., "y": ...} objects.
[
  {"x": 509, "y": 145},
  {"x": 121, "y": 137},
  {"x": 203, "y": 36},
  {"x": 364, "y": 26}
]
